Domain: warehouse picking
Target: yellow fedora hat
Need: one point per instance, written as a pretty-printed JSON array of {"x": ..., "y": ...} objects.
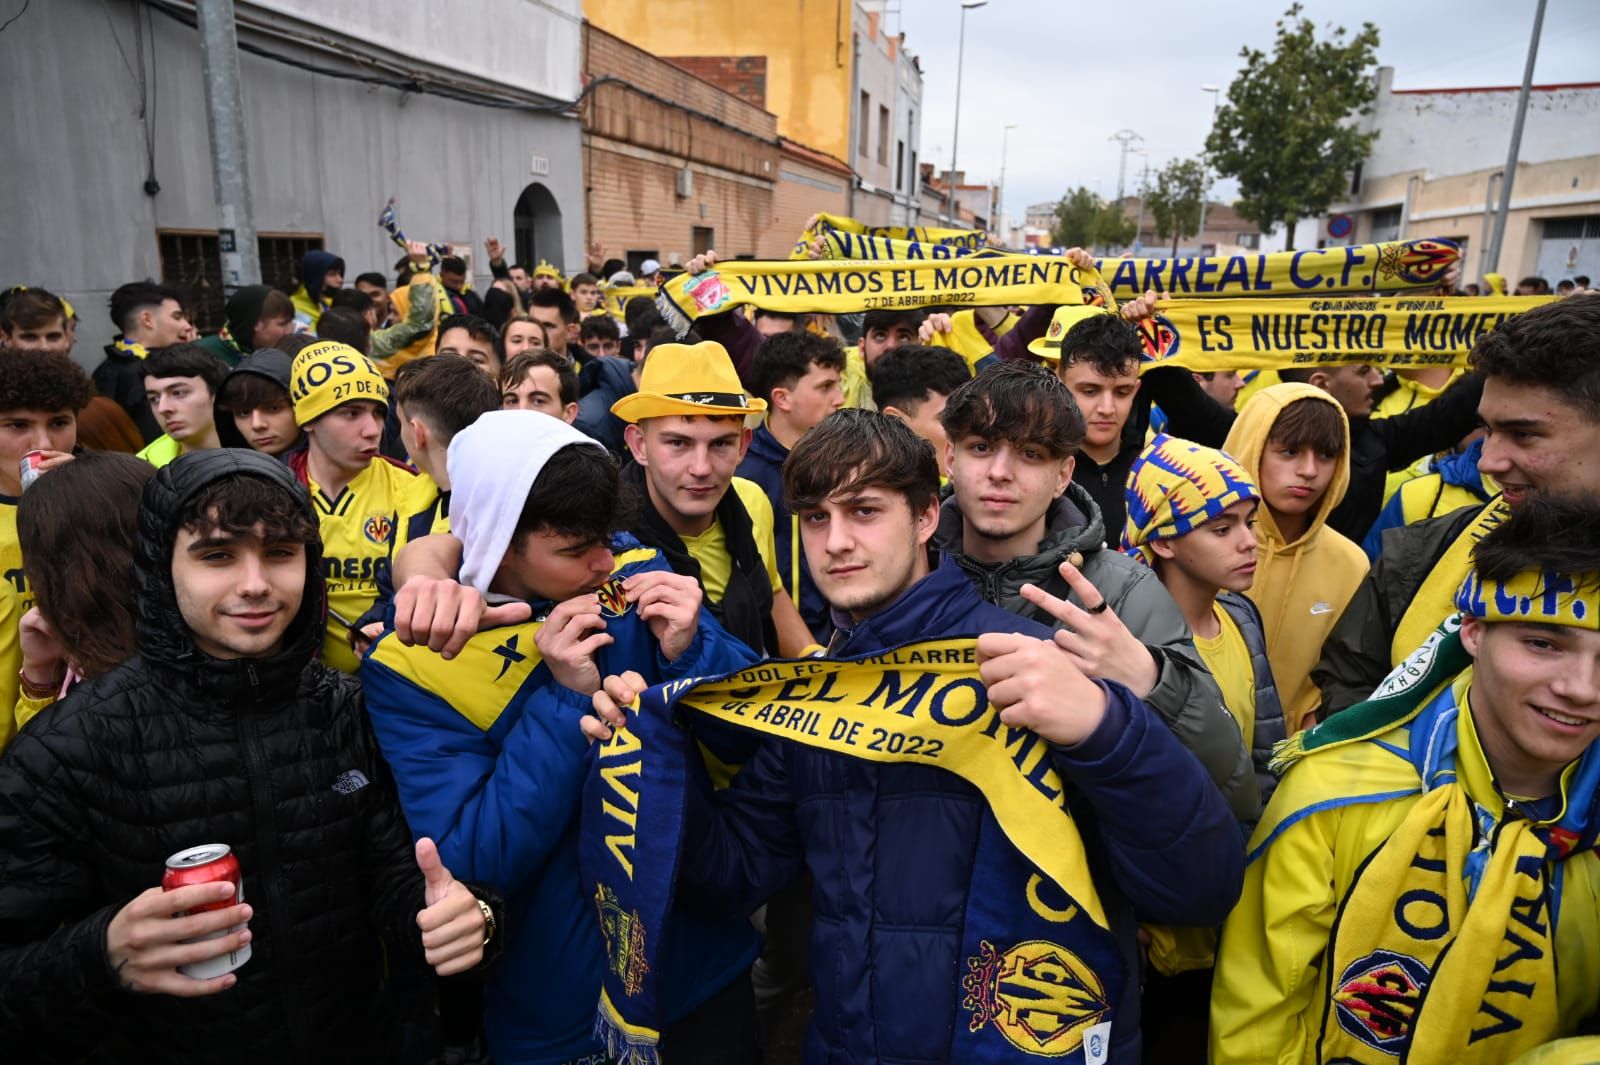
[
  {"x": 1049, "y": 345},
  {"x": 687, "y": 379}
]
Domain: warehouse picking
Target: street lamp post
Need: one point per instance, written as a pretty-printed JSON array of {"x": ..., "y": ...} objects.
[
  {"x": 955, "y": 137},
  {"x": 1005, "y": 133},
  {"x": 1144, "y": 196},
  {"x": 1205, "y": 164}
]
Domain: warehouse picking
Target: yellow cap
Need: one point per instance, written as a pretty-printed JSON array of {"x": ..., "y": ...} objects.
[
  {"x": 1049, "y": 345},
  {"x": 687, "y": 379}
]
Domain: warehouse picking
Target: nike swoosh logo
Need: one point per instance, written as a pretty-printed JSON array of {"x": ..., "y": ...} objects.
[{"x": 1321, "y": 608}]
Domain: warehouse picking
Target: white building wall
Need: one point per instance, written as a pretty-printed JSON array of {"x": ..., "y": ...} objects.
[{"x": 324, "y": 153}]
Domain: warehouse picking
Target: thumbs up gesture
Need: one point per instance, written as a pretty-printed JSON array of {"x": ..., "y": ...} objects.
[{"x": 452, "y": 922}]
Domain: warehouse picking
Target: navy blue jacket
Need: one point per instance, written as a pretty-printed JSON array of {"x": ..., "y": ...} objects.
[
  {"x": 763, "y": 464},
  {"x": 891, "y": 850}
]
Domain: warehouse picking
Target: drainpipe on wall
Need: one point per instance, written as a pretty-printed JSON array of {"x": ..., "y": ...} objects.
[{"x": 850, "y": 148}]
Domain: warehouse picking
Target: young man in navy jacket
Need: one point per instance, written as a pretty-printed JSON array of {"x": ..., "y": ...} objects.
[{"x": 894, "y": 847}]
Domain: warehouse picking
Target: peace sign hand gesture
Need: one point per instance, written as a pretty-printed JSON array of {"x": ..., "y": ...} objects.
[{"x": 1095, "y": 638}]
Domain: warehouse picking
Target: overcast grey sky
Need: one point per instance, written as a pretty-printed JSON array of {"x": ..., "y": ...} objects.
[{"x": 1071, "y": 74}]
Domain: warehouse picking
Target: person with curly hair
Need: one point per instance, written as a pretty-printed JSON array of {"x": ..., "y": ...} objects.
[{"x": 40, "y": 397}]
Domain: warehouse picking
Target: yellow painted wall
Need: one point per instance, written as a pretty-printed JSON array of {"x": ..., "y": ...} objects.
[{"x": 806, "y": 42}]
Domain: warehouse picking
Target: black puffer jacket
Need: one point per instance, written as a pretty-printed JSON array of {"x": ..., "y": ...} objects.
[{"x": 174, "y": 748}]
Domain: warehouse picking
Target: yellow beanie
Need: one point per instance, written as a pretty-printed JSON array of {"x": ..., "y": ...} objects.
[{"x": 328, "y": 374}]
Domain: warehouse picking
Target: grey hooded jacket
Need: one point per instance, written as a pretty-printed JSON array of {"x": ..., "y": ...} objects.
[{"x": 1186, "y": 696}]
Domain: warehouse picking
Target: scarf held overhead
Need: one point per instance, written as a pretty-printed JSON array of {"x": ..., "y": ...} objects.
[
  {"x": 1402, "y": 332},
  {"x": 1392, "y": 265},
  {"x": 984, "y": 279},
  {"x": 1041, "y": 966},
  {"x": 824, "y": 224}
]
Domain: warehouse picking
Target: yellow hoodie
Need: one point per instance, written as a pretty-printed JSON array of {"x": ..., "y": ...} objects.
[{"x": 1301, "y": 587}]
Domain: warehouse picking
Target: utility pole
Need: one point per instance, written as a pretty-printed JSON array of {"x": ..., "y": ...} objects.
[
  {"x": 955, "y": 138},
  {"x": 1125, "y": 137},
  {"x": 230, "y": 170},
  {"x": 1516, "y": 142}
]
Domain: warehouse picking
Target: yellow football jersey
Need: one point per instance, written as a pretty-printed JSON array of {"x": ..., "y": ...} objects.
[
  {"x": 358, "y": 535},
  {"x": 15, "y": 599}
]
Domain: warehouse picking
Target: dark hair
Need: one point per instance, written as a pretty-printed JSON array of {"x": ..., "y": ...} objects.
[
  {"x": 38, "y": 382},
  {"x": 77, "y": 529},
  {"x": 554, "y": 297},
  {"x": 599, "y": 325},
  {"x": 452, "y": 264},
  {"x": 1565, "y": 285},
  {"x": 518, "y": 367},
  {"x": 611, "y": 266},
  {"x": 1547, "y": 534},
  {"x": 353, "y": 299},
  {"x": 783, "y": 358},
  {"x": 295, "y": 343},
  {"x": 478, "y": 329},
  {"x": 244, "y": 392},
  {"x": 1310, "y": 422},
  {"x": 31, "y": 308},
  {"x": 904, "y": 376},
  {"x": 595, "y": 512},
  {"x": 130, "y": 299},
  {"x": 1582, "y": 279},
  {"x": 447, "y": 391},
  {"x": 1539, "y": 285},
  {"x": 782, "y": 316},
  {"x": 237, "y": 503},
  {"x": 372, "y": 278},
  {"x": 1105, "y": 342},
  {"x": 889, "y": 319},
  {"x": 186, "y": 360},
  {"x": 275, "y": 305},
  {"x": 1554, "y": 347},
  {"x": 851, "y": 450},
  {"x": 347, "y": 327},
  {"x": 1019, "y": 403},
  {"x": 641, "y": 315},
  {"x": 661, "y": 334},
  {"x": 584, "y": 279}
]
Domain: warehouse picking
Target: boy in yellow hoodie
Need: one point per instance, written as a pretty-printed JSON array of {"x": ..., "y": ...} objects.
[
  {"x": 1294, "y": 441},
  {"x": 1424, "y": 888}
]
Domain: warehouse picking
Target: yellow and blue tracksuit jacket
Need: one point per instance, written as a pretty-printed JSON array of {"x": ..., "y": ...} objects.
[{"x": 490, "y": 763}]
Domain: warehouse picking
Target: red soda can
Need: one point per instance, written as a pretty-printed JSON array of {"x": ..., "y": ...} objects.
[
  {"x": 32, "y": 467},
  {"x": 207, "y": 864}
]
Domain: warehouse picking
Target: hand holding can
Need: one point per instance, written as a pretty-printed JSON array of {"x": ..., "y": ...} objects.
[
  {"x": 209, "y": 863},
  {"x": 155, "y": 942}
]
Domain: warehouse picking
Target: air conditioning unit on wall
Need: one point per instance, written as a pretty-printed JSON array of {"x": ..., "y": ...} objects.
[{"x": 685, "y": 183}]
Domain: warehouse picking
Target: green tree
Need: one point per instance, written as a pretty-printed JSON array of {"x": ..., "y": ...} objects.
[
  {"x": 1284, "y": 131},
  {"x": 1175, "y": 199},
  {"x": 1082, "y": 221}
]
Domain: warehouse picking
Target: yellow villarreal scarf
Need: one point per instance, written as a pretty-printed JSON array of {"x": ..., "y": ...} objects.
[
  {"x": 832, "y": 223},
  {"x": 1405, "y": 332},
  {"x": 1041, "y": 971},
  {"x": 842, "y": 244},
  {"x": 983, "y": 279},
  {"x": 1435, "y": 599},
  {"x": 128, "y": 347},
  {"x": 1391, "y": 265}
]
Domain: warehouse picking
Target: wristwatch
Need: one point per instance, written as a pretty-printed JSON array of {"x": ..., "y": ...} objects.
[{"x": 488, "y": 920}]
